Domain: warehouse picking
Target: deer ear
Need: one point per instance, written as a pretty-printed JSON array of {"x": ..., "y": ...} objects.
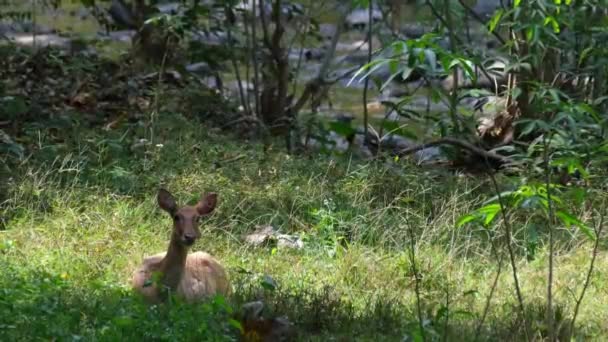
[
  {"x": 166, "y": 201},
  {"x": 206, "y": 204}
]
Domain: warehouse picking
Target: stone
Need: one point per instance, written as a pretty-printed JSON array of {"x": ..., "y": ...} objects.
[{"x": 359, "y": 18}]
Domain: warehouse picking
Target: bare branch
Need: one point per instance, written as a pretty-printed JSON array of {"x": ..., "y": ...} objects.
[{"x": 598, "y": 232}]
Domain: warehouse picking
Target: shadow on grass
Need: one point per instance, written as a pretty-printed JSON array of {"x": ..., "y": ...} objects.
[{"x": 36, "y": 305}]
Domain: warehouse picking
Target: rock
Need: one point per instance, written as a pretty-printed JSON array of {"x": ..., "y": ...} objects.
[
  {"x": 289, "y": 241},
  {"x": 43, "y": 40},
  {"x": 414, "y": 31},
  {"x": 393, "y": 91},
  {"x": 268, "y": 235},
  {"x": 288, "y": 10},
  {"x": 308, "y": 55},
  {"x": 14, "y": 28},
  {"x": 314, "y": 54},
  {"x": 125, "y": 36},
  {"x": 260, "y": 236},
  {"x": 200, "y": 68},
  {"x": 211, "y": 38},
  {"x": 485, "y": 8},
  {"x": 327, "y": 31},
  {"x": 429, "y": 154},
  {"x": 359, "y": 18},
  {"x": 233, "y": 87},
  {"x": 308, "y": 71},
  {"x": 355, "y": 57},
  {"x": 170, "y": 8},
  {"x": 398, "y": 143},
  {"x": 83, "y": 13}
]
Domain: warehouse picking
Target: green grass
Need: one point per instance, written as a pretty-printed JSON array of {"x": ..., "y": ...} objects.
[{"x": 80, "y": 215}]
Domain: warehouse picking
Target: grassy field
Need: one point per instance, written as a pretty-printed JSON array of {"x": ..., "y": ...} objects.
[{"x": 80, "y": 214}]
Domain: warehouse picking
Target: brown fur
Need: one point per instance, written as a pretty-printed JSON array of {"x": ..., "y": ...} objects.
[
  {"x": 192, "y": 276},
  {"x": 203, "y": 276}
]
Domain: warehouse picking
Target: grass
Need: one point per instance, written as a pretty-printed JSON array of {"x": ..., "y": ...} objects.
[{"x": 80, "y": 215}]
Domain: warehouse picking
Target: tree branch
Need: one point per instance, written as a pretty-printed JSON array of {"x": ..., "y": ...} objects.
[{"x": 459, "y": 143}]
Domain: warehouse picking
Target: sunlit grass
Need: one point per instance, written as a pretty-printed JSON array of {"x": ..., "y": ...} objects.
[{"x": 90, "y": 227}]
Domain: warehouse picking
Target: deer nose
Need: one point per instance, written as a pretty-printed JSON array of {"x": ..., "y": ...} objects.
[{"x": 189, "y": 239}]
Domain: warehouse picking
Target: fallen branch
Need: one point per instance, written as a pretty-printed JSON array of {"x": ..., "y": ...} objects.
[{"x": 459, "y": 143}]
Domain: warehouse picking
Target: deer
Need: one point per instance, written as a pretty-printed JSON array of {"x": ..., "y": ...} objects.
[{"x": 191, "y": 276}]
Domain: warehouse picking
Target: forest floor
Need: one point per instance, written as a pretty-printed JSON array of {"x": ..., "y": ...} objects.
[{"x": 79, "y": 213}]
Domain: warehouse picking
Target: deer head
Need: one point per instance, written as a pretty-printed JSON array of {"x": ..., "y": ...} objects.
[{"x": 186, "y": 218}]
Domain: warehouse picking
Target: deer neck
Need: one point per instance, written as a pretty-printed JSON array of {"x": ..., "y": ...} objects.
[{"x": 173, "y": 265}]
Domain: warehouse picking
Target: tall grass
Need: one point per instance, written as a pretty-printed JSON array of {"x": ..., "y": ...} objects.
[{"x": 81, "y": 214}]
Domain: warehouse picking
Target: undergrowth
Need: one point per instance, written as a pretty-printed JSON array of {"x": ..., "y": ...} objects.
[{"x": 80, "y": 214}]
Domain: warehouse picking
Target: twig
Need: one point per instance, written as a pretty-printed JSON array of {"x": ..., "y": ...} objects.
[
  {"x": 550, "y": 318},
  {"x": 416, "y": 278},
  {"x": 454, "y": 46},
  {"x": 366, "y": 83},
  {"x": 598, "y": 232},
  {"x": 319, "y": 80},
  {"x": 256, "y": 68},
  {"x": 34, "y": 23},
  {"x": 233, "y": 60},
  {"x": 486, "y": 309},
  {"x": 508, "y": 234},
  {"x": 159, "y": 89}
]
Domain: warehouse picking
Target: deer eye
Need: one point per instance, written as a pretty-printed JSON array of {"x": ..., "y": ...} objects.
[{"x": 176, "y": 217}]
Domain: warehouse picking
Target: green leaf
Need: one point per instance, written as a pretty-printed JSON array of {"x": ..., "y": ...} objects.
[
  {"x": 467, "y": 66},
  {"x": 570, "y": 220},
  {"x": 393, "y": 66},
  {"x": 551, "y": 20},
  {"x": 528, "y": 128},
  {"x": 407, "y": 71},
  {"x": 495, "y": 19},
  {"x": 529, "y": 34},
  {"x": 489, "y": 211},
  {"x": 584, "y": 54},
  {"x": 465, "y": 219},
  {"x": 370, "y": 68},
  {"x": 388, "y": 81},
  {"x": 516, "y": 3}
]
